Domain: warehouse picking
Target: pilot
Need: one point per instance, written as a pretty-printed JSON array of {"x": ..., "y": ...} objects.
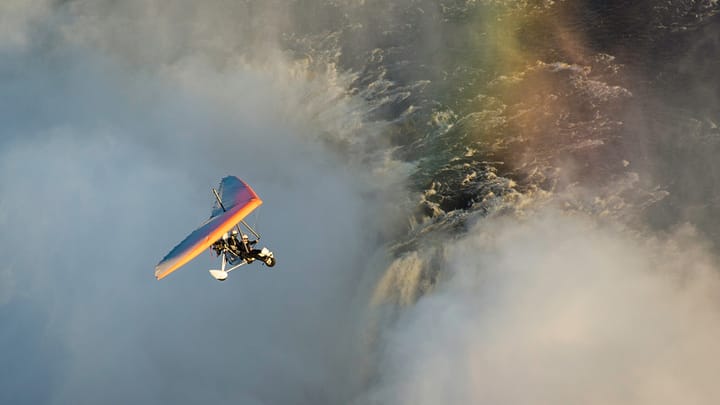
[
  {"x": 233, "y": 243},
  {"x": 246, "y": 248},
  {"x": 229, "y": 242}
]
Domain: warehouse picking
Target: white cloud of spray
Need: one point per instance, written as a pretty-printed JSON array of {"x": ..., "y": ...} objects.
[
  {"x": 107, "y": 161},
  {"x": 16, "y": 19},
  {"x": 556, "y": 309}
]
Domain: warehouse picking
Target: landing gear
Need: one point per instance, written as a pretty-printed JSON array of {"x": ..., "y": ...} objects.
[
  {"x": 229, "y": 257},
  {"x": 222, "y": 274}
]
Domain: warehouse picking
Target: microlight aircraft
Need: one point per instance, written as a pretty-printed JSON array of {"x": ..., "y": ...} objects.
[{"x": 234, "y": 200}]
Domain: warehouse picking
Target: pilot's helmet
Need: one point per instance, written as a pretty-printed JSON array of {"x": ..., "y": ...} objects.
[
  {"x": 244, "y": 237},
  {"x": 234, "y": 232}
]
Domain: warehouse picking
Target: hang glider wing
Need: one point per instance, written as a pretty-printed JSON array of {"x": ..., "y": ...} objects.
[{"x": 238, "y": 200}]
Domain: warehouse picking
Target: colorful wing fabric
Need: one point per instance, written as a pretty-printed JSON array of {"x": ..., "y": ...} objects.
[{"x": 238, "y": 199}]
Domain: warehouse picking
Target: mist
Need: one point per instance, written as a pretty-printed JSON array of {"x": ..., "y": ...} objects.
[
  {"x": 110, "y": 144},
  {"x": 556, "y": 308}
]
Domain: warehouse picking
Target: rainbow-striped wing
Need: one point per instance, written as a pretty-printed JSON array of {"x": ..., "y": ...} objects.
[{"x": 238, "y": 199}]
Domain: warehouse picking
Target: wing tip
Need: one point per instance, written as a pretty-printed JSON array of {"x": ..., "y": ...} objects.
[{"x": 159, "y": 274}]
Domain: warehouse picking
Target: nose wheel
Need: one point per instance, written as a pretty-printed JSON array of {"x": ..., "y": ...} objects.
[
  {"x": 219, "y": 275},
  {"x": 222, "y": 274}
]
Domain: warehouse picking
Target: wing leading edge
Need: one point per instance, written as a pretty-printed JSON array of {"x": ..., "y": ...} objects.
[{"x": 238, "y": 199}]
